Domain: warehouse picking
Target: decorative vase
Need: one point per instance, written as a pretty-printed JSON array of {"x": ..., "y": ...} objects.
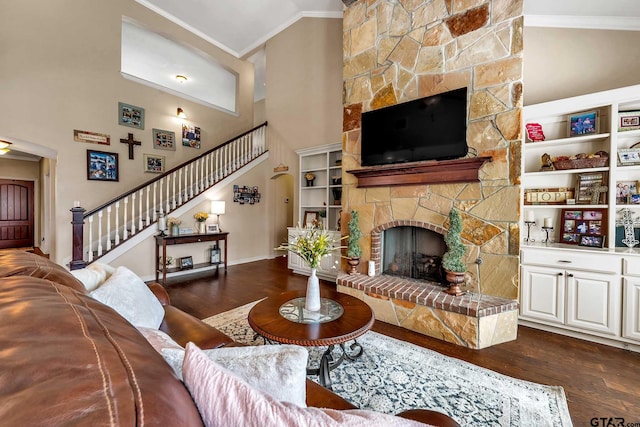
[
  {"x": 174, "y": 230},
  {"x": 454, "y": 279},
  {"x": 200, "y": 227},
  {"x": 353, "y": 265},
  {"x": 312, "y": 300}
]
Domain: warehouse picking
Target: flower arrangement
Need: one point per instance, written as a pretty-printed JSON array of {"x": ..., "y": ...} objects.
[
  {"x": 172, "y": 221},
  {"x": 201, "y": 216},
  {"x": 311, "y": 244}
]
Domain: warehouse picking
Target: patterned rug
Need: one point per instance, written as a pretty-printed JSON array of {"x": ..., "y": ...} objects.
[{"x": 393, "y": 375}]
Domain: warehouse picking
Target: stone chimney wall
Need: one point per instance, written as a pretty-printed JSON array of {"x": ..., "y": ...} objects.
[{"x": 399, "y": 50}]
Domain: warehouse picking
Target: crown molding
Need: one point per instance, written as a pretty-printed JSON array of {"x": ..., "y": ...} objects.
[{"x": 618, "y": 23}]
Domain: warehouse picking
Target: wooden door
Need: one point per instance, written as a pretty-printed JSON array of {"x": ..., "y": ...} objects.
[{"x": 16, "y": 213}]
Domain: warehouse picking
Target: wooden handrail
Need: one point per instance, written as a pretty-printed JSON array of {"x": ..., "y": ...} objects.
[{"x": 169, "y": 172}]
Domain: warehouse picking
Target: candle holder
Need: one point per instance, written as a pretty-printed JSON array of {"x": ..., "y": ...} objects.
[
  {"x": 529, "y": 224},
  {"x": 547, "y": 230}
]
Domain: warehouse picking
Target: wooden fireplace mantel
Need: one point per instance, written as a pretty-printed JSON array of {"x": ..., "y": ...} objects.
[{"x": 431, "y": 172}]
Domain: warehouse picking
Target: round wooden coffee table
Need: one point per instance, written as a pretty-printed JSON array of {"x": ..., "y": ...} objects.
[{"x": 342, "y": 318}]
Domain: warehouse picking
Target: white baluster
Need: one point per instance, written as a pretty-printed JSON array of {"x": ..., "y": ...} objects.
[
  {"x": 140, "y": 213},
  {"x": 108, "y": 228},
  {"x": 172, "y": 178},
  {"x": 155, "y": 200},
  {"x": 125, "y": 232},
  {"x": 180, "y": 187},
  {"x": 100, "y": 233},
  {"x": 148, "y": 207},
  {"x": 133, "y": 214},
  {"x": 90, "y": 256},
  {"x": 117, "y": 239},
  {"x": 166, "y": 181},
  {"x": 161, "y": 193},
  {"x": 191, "y": 181}
]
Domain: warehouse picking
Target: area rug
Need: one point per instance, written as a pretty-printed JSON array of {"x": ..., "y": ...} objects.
[{"x": 393, "y": 375}]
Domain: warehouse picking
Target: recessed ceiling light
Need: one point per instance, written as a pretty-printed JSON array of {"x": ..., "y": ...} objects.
[{"x": 180, "y": 78}]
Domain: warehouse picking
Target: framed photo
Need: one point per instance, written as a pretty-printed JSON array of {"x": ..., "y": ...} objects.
[
  {"x": 164, "y": 139},
  {"x": 310, "y": 217},
  {"x": 624, "y": 189},
  {"x": 213, "y": 228},
  {"x": 587, "y": 183},
  {"x": 190, "y": 136},
  {"x": 629, "y": 156},
  {"x": 583, "y": 123},
  {"x": 130, "y": 115},
  {"x": 154, "y": 164},
  {"x": 215, "y": 255},
  {"x": 102, "y": 166},
  {"x": 634, "y": 199},
  {"x": 578, "y": 224},
  {"x": 592, "y": 241},
  {"x": 91, "y": 137},
  {"x": 186, "y": 263},
  {"x": 628, "y": 120}
]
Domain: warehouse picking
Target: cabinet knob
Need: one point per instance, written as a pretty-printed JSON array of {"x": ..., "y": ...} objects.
[
  {"x": 564, "y": 261},
  {"x": 570, "y": 275},
  {"x": 560, "y": 274}
]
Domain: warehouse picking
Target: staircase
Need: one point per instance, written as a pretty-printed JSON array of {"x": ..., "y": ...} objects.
[{"x": 111, "y": 229}]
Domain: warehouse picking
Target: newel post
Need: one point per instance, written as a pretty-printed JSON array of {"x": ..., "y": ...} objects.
[{"x": 77, "y": 260}]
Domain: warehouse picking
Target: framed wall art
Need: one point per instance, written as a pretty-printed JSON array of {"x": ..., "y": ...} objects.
[
  {"x": 91, "y": 137},
  {"x": 102, "y": 166},
  {"x": 154, "y": 164},
  {"x": 628, "y": 120},
  {"x": 164, "y": 139},
  {"x": 583, "y": 227},
  {"x": 190, "y": 136},
  {"x": 583, "y": 123},
  {"x": 130, "y": 115},
  {"x": 246, "y": 195}
]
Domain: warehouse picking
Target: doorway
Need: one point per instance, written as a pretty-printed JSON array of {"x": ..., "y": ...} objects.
[{"x": 16, "y": 213}]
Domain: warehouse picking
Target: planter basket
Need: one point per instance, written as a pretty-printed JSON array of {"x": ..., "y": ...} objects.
[{"x": 594, "y": 162}]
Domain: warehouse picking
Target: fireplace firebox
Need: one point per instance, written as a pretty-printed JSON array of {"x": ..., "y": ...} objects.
[{"x": 413, "y": 252}]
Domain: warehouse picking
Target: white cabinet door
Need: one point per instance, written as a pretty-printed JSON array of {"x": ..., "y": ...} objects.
[
  {"x": 631, "y": 307},
  {"x": 593, "y": 301},
  {"x": 542, "y": 294}
]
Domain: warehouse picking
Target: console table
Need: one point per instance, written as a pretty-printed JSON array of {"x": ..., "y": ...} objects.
[{"x": 164, "y": 241}]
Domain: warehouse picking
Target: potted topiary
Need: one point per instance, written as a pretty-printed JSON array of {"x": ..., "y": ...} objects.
[
  {"x": 452, "y": 261},
  {"x": 353, "y": 247}
]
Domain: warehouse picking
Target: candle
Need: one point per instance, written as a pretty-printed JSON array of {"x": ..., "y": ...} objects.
[
  {"x": 530, "y": 217},
  {"x": 162, "y": 224},
  {"x": 547, "y": 222}
]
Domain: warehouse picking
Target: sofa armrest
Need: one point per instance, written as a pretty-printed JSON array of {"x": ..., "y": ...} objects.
[
  {"x": 160, "y": 292},
  {"x": 320, "y": 397},
  {"x": 426, "y": 416},
  {"x": 184, "y": 328}
]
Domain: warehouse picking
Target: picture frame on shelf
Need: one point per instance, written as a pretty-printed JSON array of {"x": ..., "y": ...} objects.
[
  {"x": 587, "y": 182},
  {"x": 634, "y": 199},
  {"x": 585, "y": 123},
  {"x": 186, "y": 262},
  {"x": 213, "y": 228},
  {"x": 130, "y": 115},
  {"x": 577, "y": 224},
  {"x": 624, "y": 189},
  {"x": 164, "y": 140},
  {"x": 102, "y": 166},
  {"x": 153, "y": 164},
  {"x": 628, "y": 120},
  {"x": 629, "y": 156},
  {"x": 215, "y": 255},
  {"x": 310, "y": 218}
]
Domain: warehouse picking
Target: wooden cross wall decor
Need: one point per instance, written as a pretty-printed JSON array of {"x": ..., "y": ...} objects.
[{"x": 131, "y": 143}]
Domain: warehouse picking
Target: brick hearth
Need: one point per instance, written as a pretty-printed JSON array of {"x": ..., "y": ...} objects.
[{"x": 472, "y": 320}]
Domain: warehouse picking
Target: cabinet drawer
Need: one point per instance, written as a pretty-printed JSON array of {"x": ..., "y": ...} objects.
[
  {"x": 603, "y": 263},
  {"x": 631, "y": 266}
]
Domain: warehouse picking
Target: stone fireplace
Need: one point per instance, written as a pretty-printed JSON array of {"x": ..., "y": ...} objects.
[{"x": 399, "y": 50}]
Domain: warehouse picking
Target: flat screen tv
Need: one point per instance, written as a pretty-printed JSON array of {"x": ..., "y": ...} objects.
[{"x": 431, "y": 128}]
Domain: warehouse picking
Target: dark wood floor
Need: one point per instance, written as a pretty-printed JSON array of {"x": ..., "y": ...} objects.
[{"x": 599, "y": 381}]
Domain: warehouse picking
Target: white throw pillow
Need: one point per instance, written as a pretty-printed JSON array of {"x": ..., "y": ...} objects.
[
  {"x": 159, "y": 340},
  {"x": 90, "y": 278},
  {"x": 278, "y": 370},
  {"x": 127, "y": 294},
  {"x": 224, "y": 399}
]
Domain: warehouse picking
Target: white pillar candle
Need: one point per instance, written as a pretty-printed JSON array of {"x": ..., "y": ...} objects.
[
  {"x": 530, "y": 217},
  {"x": 162, "y": 224},
  {"x": 372, "y": 268},
  {"x": 547, "y": 222}
]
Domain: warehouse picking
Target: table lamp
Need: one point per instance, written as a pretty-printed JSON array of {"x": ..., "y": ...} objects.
[{"x": 217, "y": 208}]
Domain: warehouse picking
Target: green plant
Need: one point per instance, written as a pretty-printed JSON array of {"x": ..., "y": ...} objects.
[
  {"x": 311, "y": 244},
  {"x": 452, "y": 259},
  {"x": 353, "y": 248}
]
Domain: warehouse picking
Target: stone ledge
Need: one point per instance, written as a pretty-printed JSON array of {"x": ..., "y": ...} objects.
[{"x": 427, "y": 294}]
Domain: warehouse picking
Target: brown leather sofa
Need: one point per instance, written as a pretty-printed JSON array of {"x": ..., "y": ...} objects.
[{"x": 67, "y": 359}]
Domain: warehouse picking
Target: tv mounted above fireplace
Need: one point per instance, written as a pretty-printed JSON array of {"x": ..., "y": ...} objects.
[{"x": 430, "y": 128}]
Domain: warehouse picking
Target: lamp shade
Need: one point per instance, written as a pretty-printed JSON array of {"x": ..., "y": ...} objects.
[{"x": 217, "y": 207}]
